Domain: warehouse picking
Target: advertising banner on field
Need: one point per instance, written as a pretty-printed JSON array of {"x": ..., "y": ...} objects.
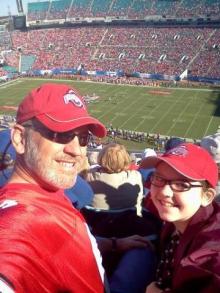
[
  {"x": 64, "y": 71},
  {"x": 156, "y": 76}
]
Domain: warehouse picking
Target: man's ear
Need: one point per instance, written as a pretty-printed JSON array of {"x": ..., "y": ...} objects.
[
  {"x": 208, "y": 196},
  {"x": 18, "y": 139}
]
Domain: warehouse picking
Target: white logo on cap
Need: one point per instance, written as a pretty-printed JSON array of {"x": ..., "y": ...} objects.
[
  {"x": 178, "y": 151},
  {"x": 72, "y": 97}
]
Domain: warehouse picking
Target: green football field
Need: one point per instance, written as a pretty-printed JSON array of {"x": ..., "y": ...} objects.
[{"x": 189, "y": 113}]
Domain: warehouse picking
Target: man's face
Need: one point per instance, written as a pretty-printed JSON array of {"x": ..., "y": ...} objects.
[
  {"x": 174, "y": 206},
  {"x": 52, "y": 164}
]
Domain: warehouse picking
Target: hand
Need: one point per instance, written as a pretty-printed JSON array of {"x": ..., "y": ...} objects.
[
  {"x": 152, "y": 288},
  {"x": 134, "y": 241}
]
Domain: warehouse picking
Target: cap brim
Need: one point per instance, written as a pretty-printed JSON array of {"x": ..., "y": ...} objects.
[
  {"x": 96, "y": 127},
  {"x": 178, "y": 165}
]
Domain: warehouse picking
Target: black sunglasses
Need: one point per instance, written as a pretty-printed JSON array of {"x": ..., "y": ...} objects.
[
  {"x": 67, "y": 137},
  {"x": 61, "y": 137}
]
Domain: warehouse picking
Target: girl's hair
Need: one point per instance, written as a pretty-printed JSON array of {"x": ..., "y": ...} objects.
[
  {"x": 206, "y": 185},
  {"x": 114, "y": 158}
]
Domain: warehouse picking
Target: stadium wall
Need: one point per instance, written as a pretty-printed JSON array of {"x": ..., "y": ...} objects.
[{"x": 120, "y": 73}]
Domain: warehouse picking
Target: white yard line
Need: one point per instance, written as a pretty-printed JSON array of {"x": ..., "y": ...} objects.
[
  {"x": 181, "y": 113},
  {"x": 149, "y": 113},
  {"x": 210, "y": 121},
  {"x": 124, "y": 109},
  {"x": 164, "y": 115},
  {"x": 8, "y": 83},
  {"x": 193, "y": 120},
  {"x": 135, "y": 113},
  {"x": 116, "y": 107}
]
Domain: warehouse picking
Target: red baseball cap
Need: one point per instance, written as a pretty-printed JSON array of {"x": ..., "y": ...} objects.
[
  {"x": 59, "y": 107},
  {"x": 188, "y": 159}
]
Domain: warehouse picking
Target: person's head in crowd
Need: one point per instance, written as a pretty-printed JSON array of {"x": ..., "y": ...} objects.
[
  {"x": 7, "y": 151},
  {"x": 5, "y": 161},
  {"x": 7, "y": 156},
  {"x": 148, "y": 152},
  {"x": 52, "y": 128},
  {"x": 114, "y": 158},
  {"x": 173, "y": 142},
  {"x": 146, "y": 172},
  {"x": 212, "y": 144},
  {"x": 183, "y": 182},
  {"x": 93, "y": 158},
  {"x": 133, "y": 158},
  {"x": 133, "y": 164}
]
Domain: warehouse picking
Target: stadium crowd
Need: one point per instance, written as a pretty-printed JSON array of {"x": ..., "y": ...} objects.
[{"x": 168, "y": 51}]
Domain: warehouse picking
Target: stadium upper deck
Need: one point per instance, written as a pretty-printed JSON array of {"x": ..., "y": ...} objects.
[
  {"x": 137, "y": 48},
  {"x": 167, "y": 51},
  {"x": 130, "y": 9}
]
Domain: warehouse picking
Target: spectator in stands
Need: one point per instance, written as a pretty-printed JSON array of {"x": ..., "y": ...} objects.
[
  {"x": 39, "y": 242},
  {"x": 135, "y": 251},
  {"x": 183, "y": 190},
  {"x": 170, "y": 143},
  {"x": 212, "y": 144},
  {"x": 93, "y": 159},
  {"x": 173, "y": 142},
  {"x": 117, "y": 205},
  {"x": 133, "y": 164},
  {"x": 52, "y": 52},
  {"x": 7, "y": 156},
  {"x": 146, "y": 172},
  {"x": 114, "y": 185},
  {"x": 116, "y": 245},
  {"x": 80, "y": 193}
]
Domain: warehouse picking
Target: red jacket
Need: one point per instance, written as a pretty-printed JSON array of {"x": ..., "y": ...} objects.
[
  {"x": 197, "y": 258},
  {"x": 45, "y": 245}
]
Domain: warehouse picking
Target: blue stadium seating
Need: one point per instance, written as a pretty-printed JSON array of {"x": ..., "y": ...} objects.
[
  {"x": 38, "y": 6},
  {"x": 130, "y": 8},
  {"x": 60, "y": 5},
  {"x": 101, "y": 6}
]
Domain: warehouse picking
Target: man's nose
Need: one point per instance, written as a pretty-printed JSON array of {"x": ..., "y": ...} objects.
[{"x": 73, "y": 147}]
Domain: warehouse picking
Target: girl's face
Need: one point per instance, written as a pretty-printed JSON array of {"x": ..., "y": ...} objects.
[{"x": 175, "y": 206}]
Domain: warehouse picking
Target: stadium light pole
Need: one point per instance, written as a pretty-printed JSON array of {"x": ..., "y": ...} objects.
[{"x": 20, "y": 6}]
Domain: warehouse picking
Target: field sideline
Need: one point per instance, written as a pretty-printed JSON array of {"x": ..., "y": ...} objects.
[{"x": 189, "y": 113}]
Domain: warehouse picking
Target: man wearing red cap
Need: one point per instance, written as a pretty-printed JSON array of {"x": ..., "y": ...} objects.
[
  {"x": 45, "y": 244},
  {"x": 183, "y": 190}
]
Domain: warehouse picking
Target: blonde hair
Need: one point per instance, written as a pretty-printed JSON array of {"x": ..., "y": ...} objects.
[{"x": 114, "y": 158}]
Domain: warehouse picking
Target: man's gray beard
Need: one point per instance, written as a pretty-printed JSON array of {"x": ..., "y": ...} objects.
[{"x": 36, "y": 164}]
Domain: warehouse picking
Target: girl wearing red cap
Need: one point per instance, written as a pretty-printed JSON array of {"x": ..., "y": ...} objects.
[{"x": 183, "y": 190}]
